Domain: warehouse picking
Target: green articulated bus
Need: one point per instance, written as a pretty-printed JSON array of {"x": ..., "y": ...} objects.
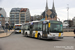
[{"x": 43, "y": 29}]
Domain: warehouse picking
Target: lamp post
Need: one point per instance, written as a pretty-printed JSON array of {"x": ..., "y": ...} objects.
[
  {"x": 6, "y": 28},
  {"x": 67, "y": 11}
]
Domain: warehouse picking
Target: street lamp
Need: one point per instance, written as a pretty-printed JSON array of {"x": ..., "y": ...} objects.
[
  {"x": 68, "y": 15},
  {"x": 6, "y": 28}
]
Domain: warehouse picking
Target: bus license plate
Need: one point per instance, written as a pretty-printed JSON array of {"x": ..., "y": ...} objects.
[
  {"x": 56, "y": 37},
  {"x": 17, "y": 31}
]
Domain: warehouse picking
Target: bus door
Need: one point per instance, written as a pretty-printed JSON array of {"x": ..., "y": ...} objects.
[
  {"x": 23, "y": 29},
  {"x": 31, "y": 30},
  {"x": 45, "y": 30}
]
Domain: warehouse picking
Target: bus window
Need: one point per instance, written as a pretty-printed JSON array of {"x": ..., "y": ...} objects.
[
  {"x": 27, "y": 27},
  {"x": 43, "y": 27},
  {"x": 35, "y": 26},
  {"x": 39, "y": 26},
  {"x": 24, "y": 27},
  {"x": 31, "y": 26}
]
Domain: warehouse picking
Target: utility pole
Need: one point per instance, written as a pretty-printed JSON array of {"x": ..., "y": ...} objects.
[
  {"x": 67, "y": 11},
  {"x": 52, "y": 17}
]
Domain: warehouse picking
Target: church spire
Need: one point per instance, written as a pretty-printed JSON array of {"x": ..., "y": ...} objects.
[
  {"x": 53, "y": 8},
  {"x": 46, "y": 5},
  {"x": 46, "y": 9}
]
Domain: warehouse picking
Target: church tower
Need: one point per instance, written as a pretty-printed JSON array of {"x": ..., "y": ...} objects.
[{"x": 49, "y": 14}]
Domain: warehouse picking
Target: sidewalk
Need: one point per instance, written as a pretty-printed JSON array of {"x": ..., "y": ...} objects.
[
  {"x": 6, "y": 34},
  {"x": 69, "y": 34}
]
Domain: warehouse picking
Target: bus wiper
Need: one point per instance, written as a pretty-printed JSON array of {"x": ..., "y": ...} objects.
[
  {"x": 17, "y": 28},
  {"x": 54, "y": 30}
]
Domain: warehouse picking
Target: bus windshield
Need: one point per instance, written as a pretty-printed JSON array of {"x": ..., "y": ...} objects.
[
  {"x": 56, "y": 27},
  {"x": 17, "y": 27}
]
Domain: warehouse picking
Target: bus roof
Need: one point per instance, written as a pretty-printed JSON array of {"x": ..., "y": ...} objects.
[
  {"x": 18, "y": 24},
  {"x": 52, "y": 21},
  {"x": 35, "y": 21}
]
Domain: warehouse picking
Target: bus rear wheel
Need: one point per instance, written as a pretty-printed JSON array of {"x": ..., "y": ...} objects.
[
  {"x": 39, "y": 37},
  {"x": 25, "y": 35}
]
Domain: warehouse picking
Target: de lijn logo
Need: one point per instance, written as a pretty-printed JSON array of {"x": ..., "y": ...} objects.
[{"x": 1, "y": 15}]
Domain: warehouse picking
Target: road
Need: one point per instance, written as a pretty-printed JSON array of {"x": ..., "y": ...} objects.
[{"x": 18, "y": 42}]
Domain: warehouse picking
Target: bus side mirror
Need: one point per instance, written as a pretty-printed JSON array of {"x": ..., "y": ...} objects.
[{"x": 49, "y": 25}]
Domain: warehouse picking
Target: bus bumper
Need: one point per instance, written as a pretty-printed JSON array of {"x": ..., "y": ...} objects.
[
  {"x": 60, "y": 37},
  {"x": 54, "y": 37},
  {"x": 17, "y": 31}
]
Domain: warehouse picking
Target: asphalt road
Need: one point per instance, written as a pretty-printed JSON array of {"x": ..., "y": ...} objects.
[{"x": 18, "y": 42}]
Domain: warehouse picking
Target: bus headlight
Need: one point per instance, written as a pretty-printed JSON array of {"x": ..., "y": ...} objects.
[
  {"x": 62, "y": 34},
  {"x": 49, "y": 34}
]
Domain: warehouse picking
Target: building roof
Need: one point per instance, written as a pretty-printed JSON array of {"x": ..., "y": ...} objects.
[
  {"x": 18, "y": 9},
  {"x": 15, "y": 9},
  {"x": 67, "y": 20}
]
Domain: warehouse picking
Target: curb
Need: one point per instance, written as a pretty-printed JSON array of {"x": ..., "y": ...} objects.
[
  {"x": 7, "y": 36},
  {"x": 1, "y": 32},
  {"x": 68, "y": 36}
]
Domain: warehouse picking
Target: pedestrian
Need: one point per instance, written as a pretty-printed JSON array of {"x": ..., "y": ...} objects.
[
  {"x": 3, "y": 27},
  {"x": 74, "y": 32}
]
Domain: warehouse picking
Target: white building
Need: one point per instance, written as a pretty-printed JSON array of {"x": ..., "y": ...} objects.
[
  {"x": 2, "y": 12},
  {"x": 73, "y": 21},
  {"x": 7, "y": 19},
  {"x": 19, "y": 15},
  {"x": 65, "y": 24},
  {"x": 2, "y": 16}
]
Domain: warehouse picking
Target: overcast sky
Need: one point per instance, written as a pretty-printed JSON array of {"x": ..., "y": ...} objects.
[{"x": 36, "y": 7}]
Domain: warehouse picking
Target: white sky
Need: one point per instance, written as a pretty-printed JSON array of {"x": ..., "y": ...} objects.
[{"x": 36, "y": 7}]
